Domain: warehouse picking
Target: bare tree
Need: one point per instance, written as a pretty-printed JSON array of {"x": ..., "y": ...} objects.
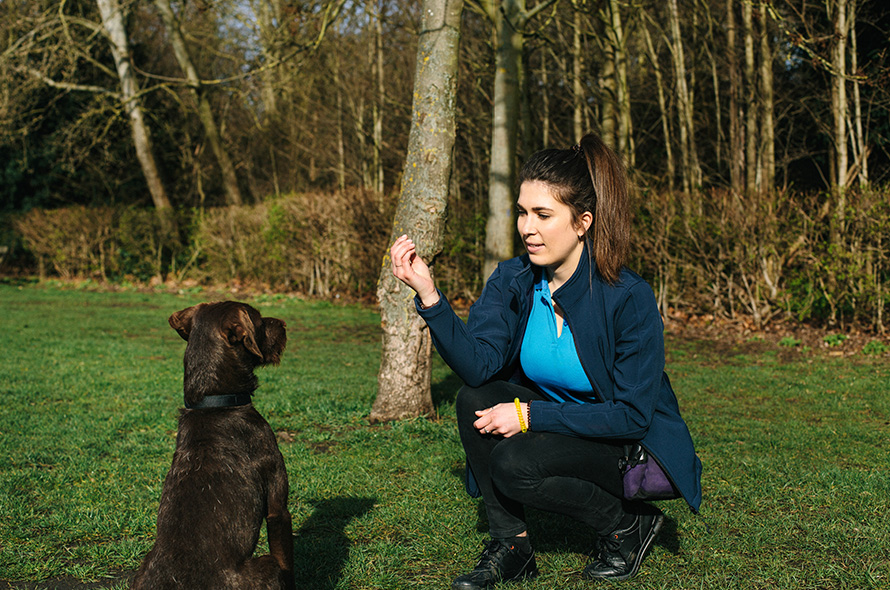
[
  {"x": 661, "y": 93},
  {"x": 577, "y": 79},
  {"x": 380, "y": 96},
  {"x": 839, "y": 105},
  {"x": 860, "y": 143},
  {"x": 767, "y": 117},
  {"x": 405, "y": 371},
  {"x": 113, "y": 20},
  {"x": 205, "y": 111},
  {"x": 509, "y": 18},
  {"x": 736, "y": 154},
  {"x": 751, "y": 167},
  {"x": 617, "y": 43},
  {"x": 691, "y": 170}
]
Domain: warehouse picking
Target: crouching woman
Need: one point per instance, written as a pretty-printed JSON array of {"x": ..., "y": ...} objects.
[{"x": 563, "y": 363}]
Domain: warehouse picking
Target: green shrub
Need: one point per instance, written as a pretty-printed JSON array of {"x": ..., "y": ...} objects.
[
  {"x": 875, "y": 347},
  {"x": 834, "y": 339}
]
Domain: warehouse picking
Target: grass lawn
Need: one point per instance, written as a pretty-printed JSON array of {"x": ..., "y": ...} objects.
[{"x": 796, "y": 483}]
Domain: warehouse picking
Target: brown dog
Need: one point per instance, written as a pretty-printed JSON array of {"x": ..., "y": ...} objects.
[{"x": 228, "y": 473}]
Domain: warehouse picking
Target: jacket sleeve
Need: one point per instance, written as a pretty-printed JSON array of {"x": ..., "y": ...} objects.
[
  {"x": 628, "y": 384},
  {"x": 480, "y": 349}
]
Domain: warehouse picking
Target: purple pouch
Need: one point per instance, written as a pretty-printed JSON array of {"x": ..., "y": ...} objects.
[{"x": 644, "y": 479}]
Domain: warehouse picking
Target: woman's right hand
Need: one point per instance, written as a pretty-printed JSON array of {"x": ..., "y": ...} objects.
[{"x": 409, "y": 268}]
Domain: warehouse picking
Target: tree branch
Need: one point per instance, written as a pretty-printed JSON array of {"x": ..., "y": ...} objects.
[{"x": 68, "y": 86}]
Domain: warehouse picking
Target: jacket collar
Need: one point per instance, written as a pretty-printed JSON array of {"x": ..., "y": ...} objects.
[{"x": 580, "y": 283}]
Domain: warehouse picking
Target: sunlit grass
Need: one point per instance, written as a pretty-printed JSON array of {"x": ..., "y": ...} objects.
[{"x": 796, "y": 473}]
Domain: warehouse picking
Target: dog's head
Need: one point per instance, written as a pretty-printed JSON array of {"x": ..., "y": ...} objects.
[{"x": 227, "y": 340}]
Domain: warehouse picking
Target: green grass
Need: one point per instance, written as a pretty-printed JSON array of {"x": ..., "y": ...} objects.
[{"x": 796, "y": 481}]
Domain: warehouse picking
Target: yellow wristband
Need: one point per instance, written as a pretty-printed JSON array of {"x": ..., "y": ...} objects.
[{"x": 522, "y": 425}]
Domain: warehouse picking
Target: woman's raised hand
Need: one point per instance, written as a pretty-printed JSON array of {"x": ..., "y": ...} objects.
[{"x": 409, "y": 268}]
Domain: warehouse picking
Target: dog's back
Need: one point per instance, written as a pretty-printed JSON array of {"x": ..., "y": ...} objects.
[{"x": 227, "y": 476}]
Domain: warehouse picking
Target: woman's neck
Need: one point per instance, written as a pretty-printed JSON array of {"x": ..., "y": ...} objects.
[{"x": 558, "y": 275}]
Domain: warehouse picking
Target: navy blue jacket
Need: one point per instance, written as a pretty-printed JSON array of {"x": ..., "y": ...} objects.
[{"x": 619, "y": 336}]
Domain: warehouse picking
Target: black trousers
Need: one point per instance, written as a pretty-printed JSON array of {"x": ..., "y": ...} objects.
[{"x": 577, "y": 477}]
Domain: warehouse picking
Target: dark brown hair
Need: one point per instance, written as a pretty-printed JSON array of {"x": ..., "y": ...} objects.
[{"x": 589, "y": 177}]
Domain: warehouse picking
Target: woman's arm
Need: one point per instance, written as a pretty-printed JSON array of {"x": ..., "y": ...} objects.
[
  {"x": 476, "y": 351},
  {"x": 481, "y": 348}
]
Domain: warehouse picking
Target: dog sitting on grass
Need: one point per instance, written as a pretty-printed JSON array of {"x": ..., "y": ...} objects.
[{"x": 228, "y": 473}]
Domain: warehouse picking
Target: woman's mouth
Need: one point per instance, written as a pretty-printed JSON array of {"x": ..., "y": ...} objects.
[{"x": 533, "y": 248}]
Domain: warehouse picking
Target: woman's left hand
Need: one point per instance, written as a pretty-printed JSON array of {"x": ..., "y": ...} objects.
[{"x": 500, "y": 420}]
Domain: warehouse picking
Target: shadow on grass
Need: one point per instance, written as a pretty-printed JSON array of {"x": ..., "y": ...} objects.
[
  {"x": 555, "y": 533},
  {"x": 321, "y": 547},
  {"x": 445, "y": 391}
]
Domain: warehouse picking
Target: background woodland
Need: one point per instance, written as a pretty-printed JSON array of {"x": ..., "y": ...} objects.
[{"x": 264, "y": 141}]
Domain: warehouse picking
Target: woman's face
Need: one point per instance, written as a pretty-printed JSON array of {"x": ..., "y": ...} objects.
[{"x": 546, "y": 228}]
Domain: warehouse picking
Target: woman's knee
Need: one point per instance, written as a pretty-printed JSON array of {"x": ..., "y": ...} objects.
[
  {"x": 510, "y": 466},
  {"x": 469, "y": 399}
]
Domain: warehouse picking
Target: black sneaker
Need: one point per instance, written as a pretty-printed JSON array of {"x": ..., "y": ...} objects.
[
  {"x": 501, "y": 561},
  {"x": 621, "y": 552}
]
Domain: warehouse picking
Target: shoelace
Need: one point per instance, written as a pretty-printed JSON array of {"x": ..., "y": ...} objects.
[
  {"x": 492, "y": 554},
  {"x": 608, "y": 544}
]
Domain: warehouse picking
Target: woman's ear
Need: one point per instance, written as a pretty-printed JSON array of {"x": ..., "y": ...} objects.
[{"x": 584, "y": 222}]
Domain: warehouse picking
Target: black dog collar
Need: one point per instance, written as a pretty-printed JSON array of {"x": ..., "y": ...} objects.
[{"x": 220, "y": 401}]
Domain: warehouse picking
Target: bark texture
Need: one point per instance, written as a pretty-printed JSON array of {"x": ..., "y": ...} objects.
[
  {"x": 114, "y": 24},
  {"x": 404, "y": 377}
]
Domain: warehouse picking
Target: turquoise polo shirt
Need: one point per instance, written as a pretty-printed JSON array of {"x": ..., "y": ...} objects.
[{"x": 551, "y": 362}]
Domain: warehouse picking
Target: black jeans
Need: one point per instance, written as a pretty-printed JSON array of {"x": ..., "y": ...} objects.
[{"x": 577, "y": 477}]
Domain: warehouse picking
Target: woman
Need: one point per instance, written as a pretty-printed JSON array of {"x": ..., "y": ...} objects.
[{"x": 563, "y": 361}]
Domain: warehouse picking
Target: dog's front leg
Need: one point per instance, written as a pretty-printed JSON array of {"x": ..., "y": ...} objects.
[
  {"x": 281, "y": 544},
  {"x": 279, "y": 528}
]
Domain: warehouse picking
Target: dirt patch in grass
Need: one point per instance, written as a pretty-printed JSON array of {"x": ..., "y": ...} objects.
[{"x": 727, "y": 338}]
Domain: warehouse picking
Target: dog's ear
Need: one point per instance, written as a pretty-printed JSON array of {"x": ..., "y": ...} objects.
[
  {"x": 181, "y": 321},
  {"x": 241, "y": 329}
]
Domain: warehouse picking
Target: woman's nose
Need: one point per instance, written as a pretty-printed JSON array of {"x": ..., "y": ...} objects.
[{"x": 526, "y": 226}]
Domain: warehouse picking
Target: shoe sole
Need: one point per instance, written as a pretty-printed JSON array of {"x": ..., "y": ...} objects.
[
  {"x": 524, "y": 574},
  {"x": 644, "y": 550}
]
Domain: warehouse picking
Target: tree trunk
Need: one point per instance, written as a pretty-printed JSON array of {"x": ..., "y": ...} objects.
[
  {"x": 378, "y": 103},
  {"x": 663, "y": 108},
  {"x": 341, "y": 144},
  {"x": 545, "y": 101},
  {"x": 505, "y": 124},
  {"x": 113, "y": 22},
  {"x": 767, "y": 118},
  {"x": 858, "y": 128},
  {"x": 577, "y": 69},
  {"x": 839, "y": 107},
  {"x": 710, "y": 46},
  {"x": 689, "y": 158},
  {"x": 404, "y": 378},
  {"x": 751, "y": 94},
  {"x": 736, "y": 154},
  {"x": 205, "y": 113},
  {"x": 624, "y": 128},
  {"x": 268, "y": 19},
  {"x": 526, "y": 127}
]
